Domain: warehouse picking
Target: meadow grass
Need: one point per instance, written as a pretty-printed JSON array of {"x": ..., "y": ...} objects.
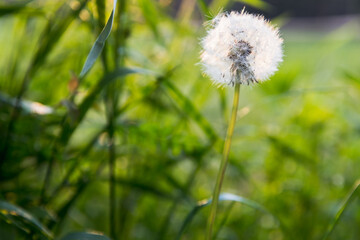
[{"x": 145, "y": 110}]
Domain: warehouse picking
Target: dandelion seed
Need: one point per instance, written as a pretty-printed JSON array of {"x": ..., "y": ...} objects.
[{"x": 240, "y": 48}]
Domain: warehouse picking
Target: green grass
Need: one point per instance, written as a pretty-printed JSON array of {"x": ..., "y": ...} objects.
[{"x": 294, "y": 152}]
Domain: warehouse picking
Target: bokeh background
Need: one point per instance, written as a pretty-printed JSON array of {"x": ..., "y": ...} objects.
[{"x": 130, "y": 149}]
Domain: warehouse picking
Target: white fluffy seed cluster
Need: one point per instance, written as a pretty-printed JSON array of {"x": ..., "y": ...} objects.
[{"x": 240, "y": 47}]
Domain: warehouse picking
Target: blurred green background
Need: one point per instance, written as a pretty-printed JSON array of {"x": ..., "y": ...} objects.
[{"x": 129, "y": 149}]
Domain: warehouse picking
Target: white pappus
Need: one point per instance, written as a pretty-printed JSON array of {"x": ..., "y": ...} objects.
[{"x": 240, "y": 47}]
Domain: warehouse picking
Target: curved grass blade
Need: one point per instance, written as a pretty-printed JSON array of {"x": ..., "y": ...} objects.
[
  {"x": 353, "y": 78},
  {"x": 204, "y": 9},
  {"x": 69, "y": 127},
  {"x": 28, "y": 107},
  {"x": 151, "y": 15},
  {"x": 223, "y": 197},
  {"x": 144, "y": 187},
  {"x": 22, "y": 219},
  {"x": 190, "y": 110},
  {"x": 85, "y": 236},
  {"x": 99, "y": 44},
  {"x": 50, "y": 36},
  {"x": 259, "y": 4},
  {"x": 13, "y": 8},
  {"x": 224, "y": 219},
  {"x": 350, "y": 196}
]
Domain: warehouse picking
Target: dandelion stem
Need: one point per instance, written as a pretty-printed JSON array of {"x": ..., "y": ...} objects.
[{"x": 221, "y": 173}]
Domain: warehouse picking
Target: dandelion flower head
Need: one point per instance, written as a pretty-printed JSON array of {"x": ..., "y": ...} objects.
[{"x": 240, "y": 47}]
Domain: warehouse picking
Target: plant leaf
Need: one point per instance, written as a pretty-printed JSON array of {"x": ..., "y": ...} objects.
[
  {"x": 204, "y": 9},
  {"x": 13, "y": 8},
  {"x": 223, "y": 197},
  {"x": 99, "y": 44},
  {"x": 85, "y": 236},
  {"x": 350, "y": 196},
  {"x": 259, "y": 4},
  {"x": 190, "y": 110},
  {"x": 51, "y": 35},
  {"x": 22, "y": 219},
  {"x": 69, "y": 128},
  {"x": 145, "y": 187},
  {"x": 151, "y": 15},
  {"x": 28, "y": 107}
]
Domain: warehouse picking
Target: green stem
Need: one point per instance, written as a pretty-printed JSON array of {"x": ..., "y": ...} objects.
[
  {"x": 112, "y": 166},
  {"x": 221, "y": 173}
]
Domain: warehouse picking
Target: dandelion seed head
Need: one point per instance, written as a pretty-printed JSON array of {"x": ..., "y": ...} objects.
[{"x": 240, "y": 47}]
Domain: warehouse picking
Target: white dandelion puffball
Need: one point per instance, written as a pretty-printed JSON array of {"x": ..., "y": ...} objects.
[{"x": 240, "y": 48}]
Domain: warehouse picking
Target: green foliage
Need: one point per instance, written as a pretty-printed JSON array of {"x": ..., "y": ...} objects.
[
  {"x": 99, "y": 44},
  {"x": 84, "y": 236},
  {"x": 352, "y": 194},
  {"x": 136, "y": 142},
  {"x": 23, "y": 220},
  {"x": 222, "y": 197}
]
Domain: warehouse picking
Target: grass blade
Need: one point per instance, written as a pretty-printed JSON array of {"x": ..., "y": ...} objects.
[
  {"x": 85, "y": 236},
  {"x": 13, "y": 8},
  {"x": 28, "y": 107},
  {"x": 23, "y": 220},
  {"x": 350, "y": 196},
  {"x": 190, "y": 110},
  {"x": 223, "y": 197},
  {"x": 99, "y": 44},
  {"x": 151, "y": 15},
  {"x": 204, "y": 9},
  {"x": 259, "y": 4},
  {"x": 69, "y": 127},
  {"x": 145, "y": 187}
]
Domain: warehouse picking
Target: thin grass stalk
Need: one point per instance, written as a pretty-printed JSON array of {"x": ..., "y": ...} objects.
[
  {"x": 43, "y": 197},
  {"x": 111, "y": 103},
  {"x": 223, "y": 164},
  {"x": 119, "y": 60},
  {"x": 184, "y": 192},
  {"x": 112, "y": 190},
  {"x": 224, "y": 219},
  {"x": 349, "y": 197},
  {"x": 83, "y": 153},
  {"x": 45, "y": 46},
  {"x": 13, "y": 118},
  {"x": 82, "y": 183},
  {"x": 113, "y": 93},
  {"x": 111, "y": 100},
  {"x": 172, "y": 209}
]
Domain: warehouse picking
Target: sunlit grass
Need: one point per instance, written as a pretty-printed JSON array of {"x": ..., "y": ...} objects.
[{"x": 295, "y": 148}]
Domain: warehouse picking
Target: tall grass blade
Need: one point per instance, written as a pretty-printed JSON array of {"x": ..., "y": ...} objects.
[
  {"x": 13, "y": 7},
  {"x": 52, "y": 33},
  {"x": 151, "y": 15},
  {"x": 204, "y": 9},
  {"x": 99, "y": 44},
  {"x": 353, "y": 78},
  {"x": 190, "y": 110},
  {"x": 48, "y": 40},
  {"x": 350, "y": 196},
  {"x": 223, "y": 197},
  {"x": 23, "y": 220},
  {"x": 85, "y": 236},
  {"x": 259, "y": 4},
  {"x": 100, "y": 8},
  {"x": 69, "y": 127},
  {"x": 145, "y": 187},
  {"x": 28, "y": 107}
]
